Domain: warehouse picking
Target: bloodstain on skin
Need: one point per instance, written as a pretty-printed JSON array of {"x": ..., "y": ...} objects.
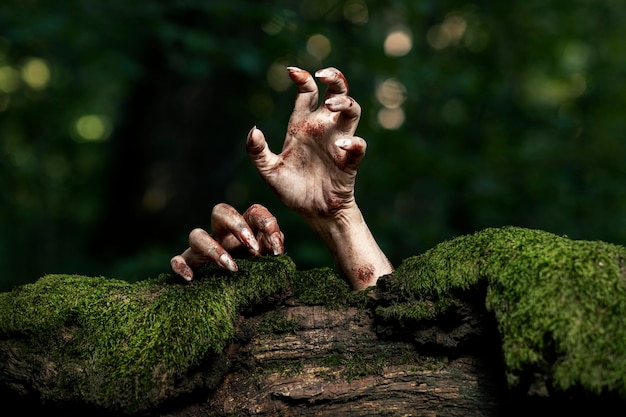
[
  {"x": 365, "y": 273},
  {"x": 339, "y": 160},
  {"x": 286, "y": 154},
  {"x": 351, "y": 158},
  {"x": 310, "y": 129}
]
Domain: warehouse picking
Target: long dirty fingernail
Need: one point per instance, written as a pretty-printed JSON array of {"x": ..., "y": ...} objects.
[
  {"x": 333, "y": 101},
  {"x": 182, "y": 269},
  {"x": 343, "y": 143},
  {"x": 228, "y": 263},
  {"x": 277, "y": 246},
  {"x": 298, "y": 75},
  {"x": 251, "y": 242},
  {"x": 326, "y": 73},
  {"x": 338, "y": 103}
]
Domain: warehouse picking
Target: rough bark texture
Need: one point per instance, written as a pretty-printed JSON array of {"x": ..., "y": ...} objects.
[
  {"x": 300, "y": 360},
  {"x": 336, "y": 364}
]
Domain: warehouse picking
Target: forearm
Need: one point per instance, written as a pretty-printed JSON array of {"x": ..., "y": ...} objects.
[{"x": 353, "y": 247}]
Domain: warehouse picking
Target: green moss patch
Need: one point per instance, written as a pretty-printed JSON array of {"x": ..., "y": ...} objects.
[
  {"x": 559, "y": 303},
  {"x": 321, "y": 286},
  {"x": 126, "y": 343}
]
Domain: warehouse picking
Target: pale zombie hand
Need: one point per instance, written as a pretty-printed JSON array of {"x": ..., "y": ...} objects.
[
  {"x": 255, "y": 232},
  {"x": 315, "y": 173}
]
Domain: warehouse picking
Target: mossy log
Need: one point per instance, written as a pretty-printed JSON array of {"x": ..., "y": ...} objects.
[{"x": 504, "y": 321}]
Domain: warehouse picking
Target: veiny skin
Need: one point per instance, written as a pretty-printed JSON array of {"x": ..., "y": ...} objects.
[{"x": 314, "y": 175}]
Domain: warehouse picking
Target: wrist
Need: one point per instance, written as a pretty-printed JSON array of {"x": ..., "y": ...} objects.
[{"x": 354, "y": 249}]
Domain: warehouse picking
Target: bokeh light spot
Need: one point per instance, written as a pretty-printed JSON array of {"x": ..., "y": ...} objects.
[
  {"x": 92, "y": 127},
  {"x": 541, "y": 89},
  {"x": 391, "y": 93},
  {"x": 575, "y": 56},
  {"x": 355, "y": 11},
  {"x": 285, "y": 20},
  {"x": 318, "y": 46},
  {"x": 448, "y": 33},
  {"x": 273, "y": 26},
  {"x": 36, "y": 73},
  {"x": 391, "y": 118},
  {"x": 398, "y": 42},
  {"x": 278, "y": 77}
]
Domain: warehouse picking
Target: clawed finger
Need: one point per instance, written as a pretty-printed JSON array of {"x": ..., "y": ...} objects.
[
  {"x": 200, "y": 251},
  {"x": 226, "y": 220},
  {"x": 350, "y": 112},
  {"x": 266, "y": 225},
  {"x": 352, "y": 151},
  {"x": 179, "y": 267},
  {"x": 203, "y": 245},
  {"x": 306, "y": 100},
  {"x": 336, "y": 99}
]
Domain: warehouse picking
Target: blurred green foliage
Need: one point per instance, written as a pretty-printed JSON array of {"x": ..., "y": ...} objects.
[{"x": 122, "y": 123}]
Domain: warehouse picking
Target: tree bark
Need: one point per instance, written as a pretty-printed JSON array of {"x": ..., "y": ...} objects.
[
  {"x": 337, "y": 363},
  {"x": 303, "y": 360}
]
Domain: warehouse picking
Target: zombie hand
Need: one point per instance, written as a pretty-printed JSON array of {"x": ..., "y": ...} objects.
[
  {"x": 255, "y": 232},
  {"x": 315, "y": 173}
]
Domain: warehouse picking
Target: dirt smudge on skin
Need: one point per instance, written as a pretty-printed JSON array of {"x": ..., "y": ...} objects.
[
  {"x": 297, "y": 155},
  {"x": 334, "y": 204}
]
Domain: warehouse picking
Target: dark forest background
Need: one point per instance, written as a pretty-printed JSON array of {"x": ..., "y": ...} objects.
[{"x": 123, "y": 122}]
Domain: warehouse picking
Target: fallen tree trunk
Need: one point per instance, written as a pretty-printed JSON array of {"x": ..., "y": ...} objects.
[
  {"x": 336, "y": 364},
  {"x": 301, "y": 360},
  {"x": 452, "y": 332}
]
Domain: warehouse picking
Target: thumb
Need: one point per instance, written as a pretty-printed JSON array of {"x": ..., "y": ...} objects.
[{"x": 259, "y": 151}]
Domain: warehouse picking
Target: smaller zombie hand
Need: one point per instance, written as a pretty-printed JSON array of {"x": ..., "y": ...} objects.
[{"x": 256, "y": 232}]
